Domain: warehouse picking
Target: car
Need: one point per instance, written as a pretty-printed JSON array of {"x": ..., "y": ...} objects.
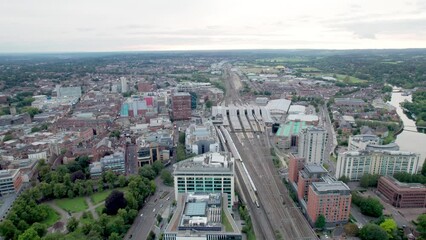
[
  {"x": 161, "y": 205},
  {"x": 153, "y": 210},
  {"x": 168, "y": 199},
  {"x": 142, "y": 215}
]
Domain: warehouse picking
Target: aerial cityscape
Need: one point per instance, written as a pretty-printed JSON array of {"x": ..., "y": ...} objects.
[{"x": 184, "y": 132}]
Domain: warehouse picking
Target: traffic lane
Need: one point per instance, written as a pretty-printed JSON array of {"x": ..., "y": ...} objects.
[{"x": 147, "y": 216}]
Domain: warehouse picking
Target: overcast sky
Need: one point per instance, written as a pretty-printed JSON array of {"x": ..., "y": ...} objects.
[{"x": 138, "y": 25}]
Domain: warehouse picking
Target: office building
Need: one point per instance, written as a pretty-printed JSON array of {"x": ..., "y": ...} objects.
[
  {"x": 123, "y": 83},
  {"x": 312, "y": 141},
  {"x": 201, "y": 139},
  {"x": 355, "y": 164},
  {"x": 208, "y": 173},
  {"x": 402, "y": 195},
  {"x": 202, "y": 216},
  {"x": 10, "y": 181},
  {"x": 181, "y": 106},
  {"x": 114, "y": 162},
  {"x": 329, "y": 198}
]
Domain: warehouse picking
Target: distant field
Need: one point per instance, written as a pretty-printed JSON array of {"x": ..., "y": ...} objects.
[
  {"x": 341, "y": 77},
  {"x": 284, "y": 59},
  {"x": 308, "y": 69}
]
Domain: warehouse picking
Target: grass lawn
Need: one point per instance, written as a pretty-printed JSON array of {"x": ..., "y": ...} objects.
[
  {"x": 101, "y": 196},
  {"x": 99, "y": 209},
  {"x": 52, "y": 216},
  {"x": 77, "y": 204}
]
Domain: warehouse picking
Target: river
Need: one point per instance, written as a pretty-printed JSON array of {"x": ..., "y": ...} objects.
[{"x": 409, "y": 139}]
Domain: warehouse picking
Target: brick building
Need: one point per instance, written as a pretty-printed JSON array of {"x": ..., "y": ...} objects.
[
  {"x": 181, "y": 106},
  {"x": 295, "y": 165},
  {"x": 310, "y": 173},
  {"x": 330, "y": 198},
  {"x": 402, "y": 195}
]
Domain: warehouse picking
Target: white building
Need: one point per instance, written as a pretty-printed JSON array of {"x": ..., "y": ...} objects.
[
  {"x": 201, "y": 139},
  {"x": 312, "y": 141},
  {"x": 369, "y": 142},
  {"x": 355, "y": 164},
  {"x": 124, "y": 87},
  {"x": 38, "y": 156},
  {"x": 207, "y": 173}
]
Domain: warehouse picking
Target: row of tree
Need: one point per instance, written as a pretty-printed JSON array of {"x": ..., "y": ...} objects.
[{"x": 369, "y": 206}]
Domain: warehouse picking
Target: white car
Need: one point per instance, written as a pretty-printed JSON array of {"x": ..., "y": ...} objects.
[{"x": 153, "y": 210}]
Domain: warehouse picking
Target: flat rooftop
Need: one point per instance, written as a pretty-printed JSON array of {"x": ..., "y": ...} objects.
[
  {"x": 291, "y": 128},
  {"x": 208, "y": 162},
  {"x": 404, "y": 186},
  {"x": 202, "y": 213},
  {"x": 331, "y": 188},
  {"x": 313, "y": 168}
]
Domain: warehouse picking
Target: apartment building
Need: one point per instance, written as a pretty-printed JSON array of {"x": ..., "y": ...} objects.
[
  {"x": 312, "y": 141},
  {"x": 355, "y": 164},
  {"x": 181, "y": 106}
]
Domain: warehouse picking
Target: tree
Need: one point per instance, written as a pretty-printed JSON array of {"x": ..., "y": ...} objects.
[
  {"x": 209, "y": 104},
  {"x": 110, "y": 178},
  {"x": 122, "y": 181},
  {"x": 167, "y": 177},
  {"x": 421, "y": 225},
  {"x": 30, "y": 233},
  {"x": 157, "y": 166},
  {"x": 8, "y": 230},
  {"x": 320, "y": 222},
  {"x": 424, "y": 169},
  {"x": 115, "y": 134},
  {"x": 373, "y": 232},
  {"x": 72, "y": 224},
  {"x": 114, "y": 236},
  {"x": 389, "y": 225},
  {"x": 147, "y": 171},
  {"x": 77, "y": 175},
  {"x": 351, "y": 229},
  {"x": 40, "y": 228},
  {"x": 372, "y": 207},
  {"x": 114, "y": 202},
  {"x": 344, "y": 179},
  {"x": 369, "y": 180},
  {"x": 7, "y": 137}
]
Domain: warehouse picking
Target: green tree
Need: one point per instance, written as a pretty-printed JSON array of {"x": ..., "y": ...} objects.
[
  {"x": 7, "y": 137},
  {"x": 320, "y": 222},
  {"x": 421, "y": 225},
  {"x": 8, "y": 230},
  {"x": 373, "y": 232},
  {"x": 344, "y": 179},
  {"x": 72, "y": 224},
  {"x": 30, "y": 233},
  {"x": 209, "y": 104},
  {"x": 389, "y": 225},
  {"x": 424, "y": 168},
  {"x": 114, "y": 236},
  {"x": 122, "y": 181},
  {"x": 157, "y": 166},
  {"x": 369, "y": 180},
  {"x": 40, "y": 228},
  {"x": 167, "y": 177},
  {"x": 182, "y": 137},
  {"x": 110, "y": 178},
  {"x": 147, "y": 171}
]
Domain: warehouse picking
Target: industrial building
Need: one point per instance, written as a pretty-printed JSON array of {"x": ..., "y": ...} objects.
[
  {"x": 402, "y": 195},
  {"x": 201, "y": 139},
  {"x": 355, "y": 164},
  {"x": 208, "y": 173},
  {"x": 202, "y": 216},
  {"x": 181, "y": 106},
  {"x": 311, "y": 145},
  {"x": 288, "y": 134}
]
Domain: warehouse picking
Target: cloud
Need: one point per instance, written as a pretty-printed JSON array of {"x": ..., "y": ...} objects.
[{"x": 370, "y": 28}]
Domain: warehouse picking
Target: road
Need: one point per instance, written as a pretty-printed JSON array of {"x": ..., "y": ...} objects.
[
  {"x": 331, "y": 140},
  {"x": 146, "y": 218}
]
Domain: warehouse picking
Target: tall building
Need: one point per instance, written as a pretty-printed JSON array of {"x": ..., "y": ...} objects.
[
  {"x": 402, "y": 195},
  {"x": 207, "y": 173},
  {"x": 201, "y": 139},
  {"x": 355, "y": 164},
  {"x": 330, "y": 198},
  {"x": 124, "y": 87},
  {"x": 202, "y": 217},
  {"x": 295, "y": 165},
  {"x": 309, "y": 174},
  {"x": 10, "y": 181},
  {"x": 181, "y": 106},
  {"x": 312, "y": 141}
]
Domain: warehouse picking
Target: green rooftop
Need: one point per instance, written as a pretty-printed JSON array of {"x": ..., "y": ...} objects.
[{"x": 290, "y": 128}]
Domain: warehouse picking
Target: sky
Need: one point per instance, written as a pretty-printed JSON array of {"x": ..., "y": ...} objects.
[{"x": 142, "y": 25}]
